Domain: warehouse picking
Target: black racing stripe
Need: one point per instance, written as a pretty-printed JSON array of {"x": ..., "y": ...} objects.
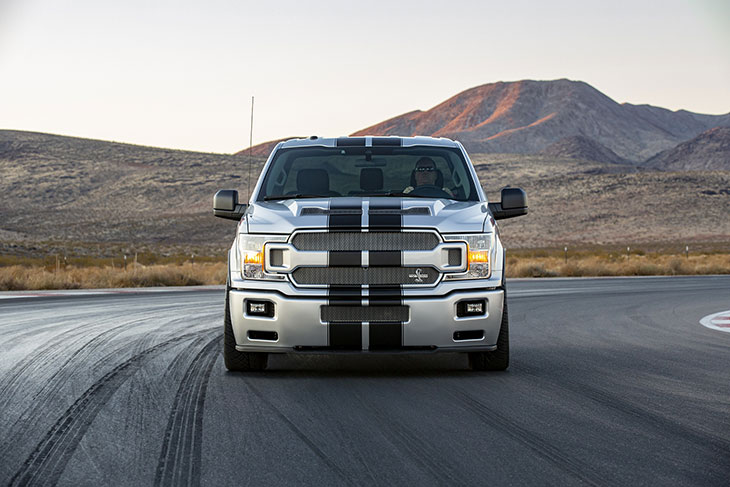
[
  {"x": 352, "y": 218},
  {"x": 350, "y": 141},
  {"x": 387, "y": 141},
  {"x": 385, "y": 336},
  {"x": 345, "y": 336},
  {"x": 385, "y": 204},
  {"x": 383, "y": 220},
  {"x": 385, "y": 296},
  {"x": 345, "y": 221},
  {"x": 344, "y": 258},
  {"x": 385, "y": 258},
  {"x": 345, "y": 296}
]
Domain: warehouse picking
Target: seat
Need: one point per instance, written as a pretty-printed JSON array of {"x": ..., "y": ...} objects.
[
  {"x": 314, "y": 181},
  {"x": 371, "y": 179}
]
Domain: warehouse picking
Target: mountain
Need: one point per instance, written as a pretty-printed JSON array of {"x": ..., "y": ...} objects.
[
  {"x": 581, "y": 147},
  {"x": 526, "y": 116},
  {"x": 709, "y": 151}
]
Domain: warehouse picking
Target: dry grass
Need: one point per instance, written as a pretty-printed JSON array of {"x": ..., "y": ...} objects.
[
  {"x": 17, "y": 277},
  {"x": 538, "y": 263},
  {"x": 617, "y": 265}
]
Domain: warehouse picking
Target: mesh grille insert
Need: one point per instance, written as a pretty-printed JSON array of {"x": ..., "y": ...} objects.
[
  {"x": 356, "y": 241},
  {"x": 356, "y": 314},
  {"x": 365, "y": 275}
]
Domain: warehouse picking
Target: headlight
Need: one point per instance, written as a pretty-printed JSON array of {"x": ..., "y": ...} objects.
[
  {"x": 480, "y": 250},
  {"x": 251, "y": 255}
]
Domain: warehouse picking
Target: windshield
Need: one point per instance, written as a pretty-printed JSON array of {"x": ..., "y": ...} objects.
[{"x": 425, "y": 172}]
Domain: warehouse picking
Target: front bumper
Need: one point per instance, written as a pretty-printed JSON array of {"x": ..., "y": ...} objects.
[{"x": 431, "y": 324}]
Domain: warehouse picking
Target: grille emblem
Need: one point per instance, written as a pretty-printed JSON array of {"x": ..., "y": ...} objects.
[{"x": 419, "y": 276}]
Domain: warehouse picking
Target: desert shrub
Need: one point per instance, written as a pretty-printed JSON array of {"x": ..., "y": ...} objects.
[
  {"x": 678, "y": 267},
  {"x": 643, "y": 269},
  {"x": 15, "y": 278},
  {"x": 533, "y": 270}
]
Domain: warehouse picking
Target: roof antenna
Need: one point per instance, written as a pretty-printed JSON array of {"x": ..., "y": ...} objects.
[{"x": 250, "y": 153}]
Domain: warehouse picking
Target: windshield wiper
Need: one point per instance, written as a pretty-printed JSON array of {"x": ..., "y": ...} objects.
[{"x": 292, "y": 196}]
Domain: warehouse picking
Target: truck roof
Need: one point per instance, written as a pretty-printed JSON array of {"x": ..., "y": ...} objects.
[{"x": 368, "y": 141}]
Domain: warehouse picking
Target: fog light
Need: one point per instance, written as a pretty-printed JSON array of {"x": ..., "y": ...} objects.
[
  {"x": 475, "y": 308},
  {"x": 260, "y": 308},
  {"x": 471, "y": 308}
]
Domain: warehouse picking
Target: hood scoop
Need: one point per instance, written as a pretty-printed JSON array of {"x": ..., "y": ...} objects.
[
  {"x": 418, "y": 210},
  {"x": 327, "y": 211}
]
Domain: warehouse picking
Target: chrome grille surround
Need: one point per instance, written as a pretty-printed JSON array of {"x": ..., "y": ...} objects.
[{"x": 354, "y": 241}]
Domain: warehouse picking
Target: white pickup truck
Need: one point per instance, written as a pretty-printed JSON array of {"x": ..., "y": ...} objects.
[{"x": 365, "y": 245}]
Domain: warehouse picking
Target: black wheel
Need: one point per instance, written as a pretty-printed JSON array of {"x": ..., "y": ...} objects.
[
  {"x": 235, "y": 360},
  {"x": 498, "y": 359}
]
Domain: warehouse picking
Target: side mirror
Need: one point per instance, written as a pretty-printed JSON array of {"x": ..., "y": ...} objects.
[
  {"x": 514, "y": 203},
  {"x": 225, "y": 205}
]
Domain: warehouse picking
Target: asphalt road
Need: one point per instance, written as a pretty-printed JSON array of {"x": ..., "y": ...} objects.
[{"x": 612, "y": 382}]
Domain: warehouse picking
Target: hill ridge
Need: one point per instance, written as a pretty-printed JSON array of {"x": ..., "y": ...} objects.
[{"x": 526, "y": 116}]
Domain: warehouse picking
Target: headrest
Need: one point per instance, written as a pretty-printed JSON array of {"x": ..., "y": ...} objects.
[
  {"x": 371, "y": 179},
  {"x": 313, "y": 181}
]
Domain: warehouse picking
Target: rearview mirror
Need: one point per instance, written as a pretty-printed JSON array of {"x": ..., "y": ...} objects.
[
  {"x": 514, "y": 203},
  {"x": 225, "y": 205}
]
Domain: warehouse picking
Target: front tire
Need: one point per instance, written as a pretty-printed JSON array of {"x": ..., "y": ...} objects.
[
  {"x": 235, "y": 360},
  {"x": 497, "y": 359}
]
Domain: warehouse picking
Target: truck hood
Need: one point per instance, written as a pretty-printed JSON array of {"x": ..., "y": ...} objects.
[{"x": 444, "y": 215}]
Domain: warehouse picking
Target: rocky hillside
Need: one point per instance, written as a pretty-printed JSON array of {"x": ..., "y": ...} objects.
[
  {"x": 88, "y": 195},
  {"x": 525, "y": 117},
  {"x": 56, "y": 188},
  {"x": 581, "y": 147},
  {"x": 708, "y": 151}
]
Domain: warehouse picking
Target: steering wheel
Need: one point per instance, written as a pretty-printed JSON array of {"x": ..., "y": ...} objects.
[{"x": 430, "y": 190}]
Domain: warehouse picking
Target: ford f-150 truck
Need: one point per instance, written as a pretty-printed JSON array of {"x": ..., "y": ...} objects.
[{"x": 367, "y": 244}]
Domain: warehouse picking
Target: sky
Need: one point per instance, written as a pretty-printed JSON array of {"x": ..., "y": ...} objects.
[{"x": 181, "y": 74}]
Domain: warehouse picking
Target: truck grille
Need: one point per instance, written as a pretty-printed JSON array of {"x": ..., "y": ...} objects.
[
  {"x": 354, "y": 241},
  {"x": 358, "y": 314},
  {"x": 373, "y": 276},
  {"x": 377, "y": 273}
]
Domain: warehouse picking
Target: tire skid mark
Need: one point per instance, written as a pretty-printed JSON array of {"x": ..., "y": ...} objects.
[
  {"x": 418, "y": 450},
  {"x": 79, "y": 319},
  {"x": 542, "y": 448},
  {"x": 162, "y": 329},
  {"x": 32, "y": 364},
  {"x": 46, "y": 358},
  {"x": 46, "y": 463},
  {"x": 180, "y": 459},
  {"x": 300, "y": 434},
  {"x": 38, "y": 406},
  {"x": 660, "y": 423}
]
